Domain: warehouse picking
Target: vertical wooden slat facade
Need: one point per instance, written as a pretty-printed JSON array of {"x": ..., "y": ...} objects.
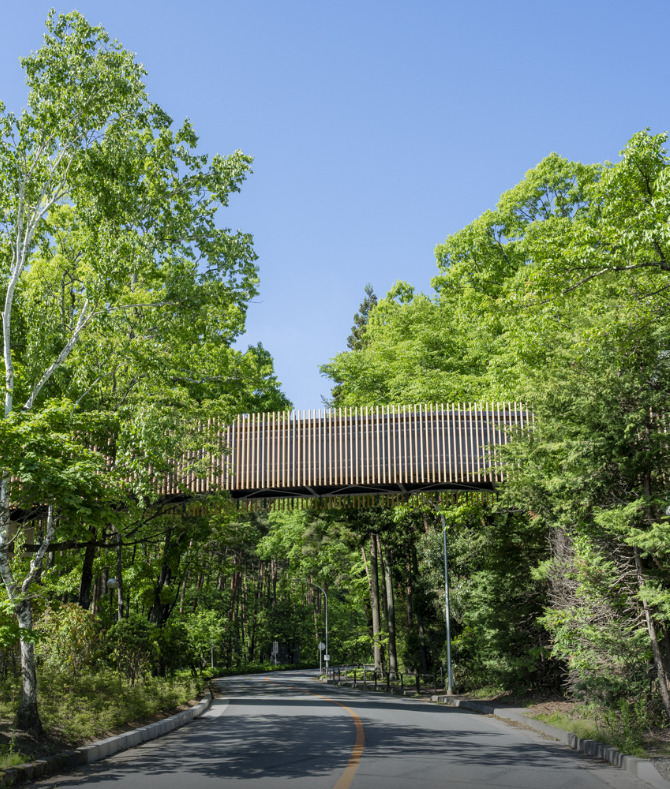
[{"x": 381, "y": 449}]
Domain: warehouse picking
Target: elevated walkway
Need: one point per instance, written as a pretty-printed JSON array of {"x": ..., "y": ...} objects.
[{"x": 354, "y": 452}]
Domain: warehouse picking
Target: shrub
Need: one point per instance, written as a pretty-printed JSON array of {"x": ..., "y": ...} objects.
[
  {"x": 132, "y": 647},
  {"x": 69, "y": 638}
]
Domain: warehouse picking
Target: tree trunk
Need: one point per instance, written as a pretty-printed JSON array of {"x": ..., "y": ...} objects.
[
  {"x": 274, "y": 581},
  {"x": 95, "y": 598},
  {"x": 651, "y": 630},
  {"x": 87, "y": 573},
  {"x": 119, "y": 579},
  {"x": 390, "y": 612},
  {"x": 182, "y": 594},
  {"x": 419, "y": 618},
  {"x": 198, "y": 586},
  {"x": 408, "y": 587},
  {"x": 382, "y": 574},
  {"x": 160, "y": 610},
  {"x": 374, "y": 604},
  {"x": 27, "y": 716}
]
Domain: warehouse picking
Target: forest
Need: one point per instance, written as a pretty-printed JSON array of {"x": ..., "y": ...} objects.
[{"x": 122, "y": 299}]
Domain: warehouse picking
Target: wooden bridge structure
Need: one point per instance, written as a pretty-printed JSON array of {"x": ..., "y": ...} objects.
[{"x": 355, "y": 453}]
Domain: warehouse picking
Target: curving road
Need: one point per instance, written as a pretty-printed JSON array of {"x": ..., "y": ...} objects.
[{"x": 285, "y": 729}]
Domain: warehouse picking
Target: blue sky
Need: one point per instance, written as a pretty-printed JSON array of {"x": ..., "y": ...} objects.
[{"x": 378, "y": 128}]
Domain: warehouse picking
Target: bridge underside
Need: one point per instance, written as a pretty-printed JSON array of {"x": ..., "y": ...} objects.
[{"x": 331, "y": 491}]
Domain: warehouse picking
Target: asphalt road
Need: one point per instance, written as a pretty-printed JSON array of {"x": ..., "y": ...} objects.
[{"x": 285, "y": 729}]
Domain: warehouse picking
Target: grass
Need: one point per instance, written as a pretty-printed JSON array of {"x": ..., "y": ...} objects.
[
  {"x": 585, "y": 728},
  {"x": 487, "y": 692},
  {"x": 625, "y": 727},
  {"x": 76, "y": 710},
  {"x": 10, "y": 756},
  {"x": 635, "y": 741},
  {"x": 95, "y": 704}
]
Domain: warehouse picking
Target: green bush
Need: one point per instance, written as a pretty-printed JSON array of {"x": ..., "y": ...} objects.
[
  {"x": 175, "y": 649},
  {"x": 70, "y": 638},
  {"x": 132, "y": 647},
  {"x": 94, "y": 704}
]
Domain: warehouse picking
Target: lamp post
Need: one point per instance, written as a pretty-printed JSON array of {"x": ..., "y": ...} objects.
[
  {"x": 450, "y": 674},
  {"x": 325, "y": 594}
]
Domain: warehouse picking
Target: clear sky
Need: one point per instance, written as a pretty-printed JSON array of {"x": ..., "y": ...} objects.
[{"x": 378, "y": 127}]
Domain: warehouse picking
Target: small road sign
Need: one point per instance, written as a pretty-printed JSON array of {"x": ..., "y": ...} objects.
[
  {"x": 275, "y": 647},
  {"x": 322, "y": 646},
  {"x": 326, "y": 658}
]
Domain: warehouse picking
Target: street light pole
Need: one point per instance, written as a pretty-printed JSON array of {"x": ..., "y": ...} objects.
[{"x": 450, "y": 673}]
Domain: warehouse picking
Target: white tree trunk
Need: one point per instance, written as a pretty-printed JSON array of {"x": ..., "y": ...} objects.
[{"x": 27, "y": 717}]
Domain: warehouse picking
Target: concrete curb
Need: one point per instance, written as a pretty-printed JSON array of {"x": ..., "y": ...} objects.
[
  {"x": 639, "y": 768},
  {"x": 87, "y": 754}
]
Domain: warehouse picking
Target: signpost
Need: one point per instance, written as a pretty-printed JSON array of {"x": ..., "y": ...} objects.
[
  {"x": 322, "y": 646},
  {"x": 275, "y": 650}
]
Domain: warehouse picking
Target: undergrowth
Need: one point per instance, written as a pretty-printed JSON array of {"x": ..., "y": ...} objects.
[
  {"x": 627, "y": 727},
  {"x": 81, "y": 708},
  {"x": 10, "y": 756}
]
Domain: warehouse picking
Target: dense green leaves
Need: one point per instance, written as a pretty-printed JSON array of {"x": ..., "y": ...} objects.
[{"x": 557, "y": 297}]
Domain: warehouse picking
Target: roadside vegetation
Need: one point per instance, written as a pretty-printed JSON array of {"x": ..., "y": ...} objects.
[{"x": 123, "y": 297}]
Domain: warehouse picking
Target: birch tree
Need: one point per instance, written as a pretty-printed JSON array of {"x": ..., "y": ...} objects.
[{"x": 106, "y": 211}]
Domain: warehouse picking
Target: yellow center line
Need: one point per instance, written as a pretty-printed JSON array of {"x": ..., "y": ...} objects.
[{"x": 350, "y": 770}]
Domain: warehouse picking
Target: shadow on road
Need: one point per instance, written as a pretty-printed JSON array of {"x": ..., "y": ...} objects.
[{"x": 258, "y": 737}]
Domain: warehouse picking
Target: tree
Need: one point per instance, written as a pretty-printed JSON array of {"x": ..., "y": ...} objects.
[
  {"x": 110, "y": 254},
  {"x": 356, "y": 339},
  {"x": 593, "y": 469},
  {"x": 557, "y": 297}
]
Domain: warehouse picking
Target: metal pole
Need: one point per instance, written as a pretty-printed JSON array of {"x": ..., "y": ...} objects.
[
  {"x": 450, "y": 673},
  {"x": 327, "y": 652}
]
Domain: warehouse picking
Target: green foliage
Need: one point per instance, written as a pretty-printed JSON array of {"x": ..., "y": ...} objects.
[
  {"x": 175, "y": 648},
  {"x": 131, "y": 647},
  {"x": 101, "y": 702},
  {"x": 11, "y": 756},
  {"x": 69, "y": 639},
  {"x": 356, "y": 339},
  {"x": 203, "y": 628},
  {"x": 495, "y": 600},
  {"x": 557, "y": 297},
  {"x": 122, "y": 298}
]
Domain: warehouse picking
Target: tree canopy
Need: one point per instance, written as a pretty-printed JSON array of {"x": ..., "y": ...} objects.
[
  {"x": 122, "y": 294},
  {"x": 559, "y": 297}
]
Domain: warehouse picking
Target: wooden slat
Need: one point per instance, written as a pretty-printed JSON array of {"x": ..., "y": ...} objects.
[
  {"x": 480, "y": 442},
  {"x": 348, "y": 437},
  {"x": 244, "y": 444},
  {"x": 470, "y": 446},
  {"x": 421, "y": 458},
  {"x": 360, "y": 445},
  {"x": 393, "y": 438},
  {"x": 356, "y": 445},
  {"x": 310, "y": 447},
  {"x": 366, "y": 474},
  {"x": 379, "y": 432},
  {"x": 442, "y": 445},
  {"x": 407, "y": 448},
  {"x": 434, "y": 451}
]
